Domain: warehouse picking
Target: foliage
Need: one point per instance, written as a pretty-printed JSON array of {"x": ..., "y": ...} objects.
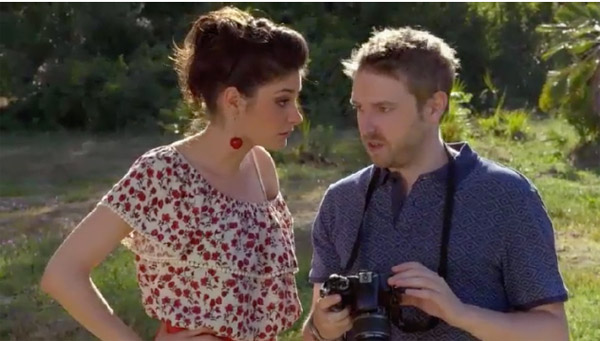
[
  {"x": 90, "y": 67},
  {"x": 102, "y": 67},
  {"x": 512, "y": 124},
  {"x": 510, "y": 42},
  {"x": 315, "y": 145},
  {"x": 572, "y": 89},
  {"x": 455, "y": 123}
]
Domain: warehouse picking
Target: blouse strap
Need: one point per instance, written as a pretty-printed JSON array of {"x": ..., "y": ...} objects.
[{"x": 262, "y": 185}]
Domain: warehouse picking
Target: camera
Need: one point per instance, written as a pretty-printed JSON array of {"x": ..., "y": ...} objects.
[{"x": 370, "y": 300}]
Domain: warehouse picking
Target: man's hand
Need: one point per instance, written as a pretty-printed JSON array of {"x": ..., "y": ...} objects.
[
  {"x": 331, "y": 324},
  {"x": 428, "y": 292}
]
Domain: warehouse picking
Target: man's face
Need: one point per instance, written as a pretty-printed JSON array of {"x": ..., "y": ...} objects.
[{"x": 391, "y": 127}]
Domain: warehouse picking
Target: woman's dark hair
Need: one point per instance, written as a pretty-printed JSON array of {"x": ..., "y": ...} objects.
[{"x": 230, "y": 47}]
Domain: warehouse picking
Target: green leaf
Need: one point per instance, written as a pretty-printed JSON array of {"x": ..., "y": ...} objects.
[
  {"x": 582, "y": 46},
  {"x": 594, "y": 10},
  {"x": 572, "y": 11},
  {"x": 551, "y": 28},
  {"x": 588, "y": 28},
  {"x": 556, "y": 85},
  {"x": 458, "y": 86},
  {"x": 500, "y": 104},
  {"x": 487, "y": 79},
  {"x": 546, "y": 102},
  {"x": 554, "y": 49},
  {"x": 579, "y": 76}
]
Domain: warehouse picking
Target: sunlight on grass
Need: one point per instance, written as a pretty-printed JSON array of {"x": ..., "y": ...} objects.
[
  {"x": 27, "y": 212},
  {"x": 582, "y": 307}
]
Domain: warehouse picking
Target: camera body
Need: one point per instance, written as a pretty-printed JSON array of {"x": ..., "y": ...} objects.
[{"x": 370, "y": 300}]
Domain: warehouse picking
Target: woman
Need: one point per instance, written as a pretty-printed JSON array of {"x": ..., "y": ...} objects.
[{"x": 205, "y": 217}]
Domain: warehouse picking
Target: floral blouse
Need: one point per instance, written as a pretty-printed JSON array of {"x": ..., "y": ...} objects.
[{"x": 205, "y": 259}]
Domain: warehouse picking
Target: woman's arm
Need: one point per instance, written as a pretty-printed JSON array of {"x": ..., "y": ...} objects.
[{"x": 67, "y": 275}]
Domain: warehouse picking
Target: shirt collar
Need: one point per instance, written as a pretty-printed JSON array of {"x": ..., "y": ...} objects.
[{"x": 465, "y": 160}]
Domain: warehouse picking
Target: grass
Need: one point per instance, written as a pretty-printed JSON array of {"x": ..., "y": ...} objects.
[
  {"x": 49, "y": 182},
  {"x": 571, "y": 195},
  {"x": 582, "y": 308}
]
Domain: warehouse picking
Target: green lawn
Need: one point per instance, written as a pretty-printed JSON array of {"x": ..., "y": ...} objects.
[{"x": 49, "y": 182}]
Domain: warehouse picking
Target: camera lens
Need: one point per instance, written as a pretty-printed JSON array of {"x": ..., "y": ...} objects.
[{"x": 372, "y": 326}]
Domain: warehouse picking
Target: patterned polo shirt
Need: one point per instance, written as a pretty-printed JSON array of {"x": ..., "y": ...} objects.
[{"x": 501, "y": 252}]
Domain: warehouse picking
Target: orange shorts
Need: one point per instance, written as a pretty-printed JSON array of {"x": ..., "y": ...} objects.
[{"x": 173, "y": 330}]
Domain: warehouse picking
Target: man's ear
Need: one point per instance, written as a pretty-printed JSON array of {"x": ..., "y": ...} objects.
[{"x": 435, "y": 107}]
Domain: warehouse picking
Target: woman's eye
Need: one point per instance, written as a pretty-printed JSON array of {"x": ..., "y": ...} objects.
[
  {"x": 384, "y": 109},
  {"x": 283, "y": 102}
]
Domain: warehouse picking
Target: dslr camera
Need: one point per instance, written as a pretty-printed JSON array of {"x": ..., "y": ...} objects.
[{"x": 370, "y": 299}]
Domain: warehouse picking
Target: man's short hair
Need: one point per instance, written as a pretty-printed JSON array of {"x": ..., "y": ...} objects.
[{"x": 425, "y": 62}]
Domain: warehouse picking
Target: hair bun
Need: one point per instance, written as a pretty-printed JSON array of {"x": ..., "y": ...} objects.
[{"x": 229, "y": 47}]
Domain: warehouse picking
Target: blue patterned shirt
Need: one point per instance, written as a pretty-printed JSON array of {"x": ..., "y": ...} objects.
[{"x": 501, "y": 253}]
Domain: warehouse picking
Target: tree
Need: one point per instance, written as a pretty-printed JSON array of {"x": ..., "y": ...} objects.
[{"x": 573, "y": 88}]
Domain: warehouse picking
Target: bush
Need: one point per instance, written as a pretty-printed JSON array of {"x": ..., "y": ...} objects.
[
  {"x": 315, "y": 145},
  {"x": 455, "y": 123},
  {"x": 572, "y": 89},
  {"x": 104, "y": 66},
  {"x": 97, "y": 94},
  {"x": 511, "y": 124},
  {"x": 516, "y": 124}
]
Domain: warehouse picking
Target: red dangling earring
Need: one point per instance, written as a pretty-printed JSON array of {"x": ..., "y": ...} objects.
[{"x": 236, "y": 142}]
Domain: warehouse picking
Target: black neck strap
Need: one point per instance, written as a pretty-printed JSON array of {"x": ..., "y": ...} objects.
[
  {"x": 447, "y": 224},
  {"x": 356, "y": 246},
  {"x": 448, "y": 209}
]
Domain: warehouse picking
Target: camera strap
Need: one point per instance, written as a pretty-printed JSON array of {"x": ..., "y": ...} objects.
[
  {"x": 355, "y": 247},
  {"x": 447, "y": 224}
]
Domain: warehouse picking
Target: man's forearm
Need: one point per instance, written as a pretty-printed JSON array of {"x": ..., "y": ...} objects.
[{"x": 489, "y": 325}]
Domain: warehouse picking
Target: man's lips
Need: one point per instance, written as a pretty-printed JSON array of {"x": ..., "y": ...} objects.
[{"x": 374, "y": 144}]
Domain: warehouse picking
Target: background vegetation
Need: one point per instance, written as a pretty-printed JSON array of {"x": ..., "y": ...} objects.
[{"x": 86, "y": 88}]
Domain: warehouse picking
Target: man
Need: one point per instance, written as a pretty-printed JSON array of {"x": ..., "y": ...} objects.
[{"x": 468, "y": 239}]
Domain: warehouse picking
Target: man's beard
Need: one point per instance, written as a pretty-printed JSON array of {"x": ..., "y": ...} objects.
[
  {"x": 404, "y": 155},
  {"x": 392, "y": 156},
  {"x": 401, "y": 154}
]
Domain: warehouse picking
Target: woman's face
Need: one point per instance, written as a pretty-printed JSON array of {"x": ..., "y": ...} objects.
[{"x": 272, "y": 113}]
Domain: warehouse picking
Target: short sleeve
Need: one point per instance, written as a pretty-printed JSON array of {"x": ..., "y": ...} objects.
[
  {"x": 140, "y": 198},
  {"x": 530, "y": 265},
  {"x": 325, "y": 259},
  {"x": 128, "y": 196}
]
